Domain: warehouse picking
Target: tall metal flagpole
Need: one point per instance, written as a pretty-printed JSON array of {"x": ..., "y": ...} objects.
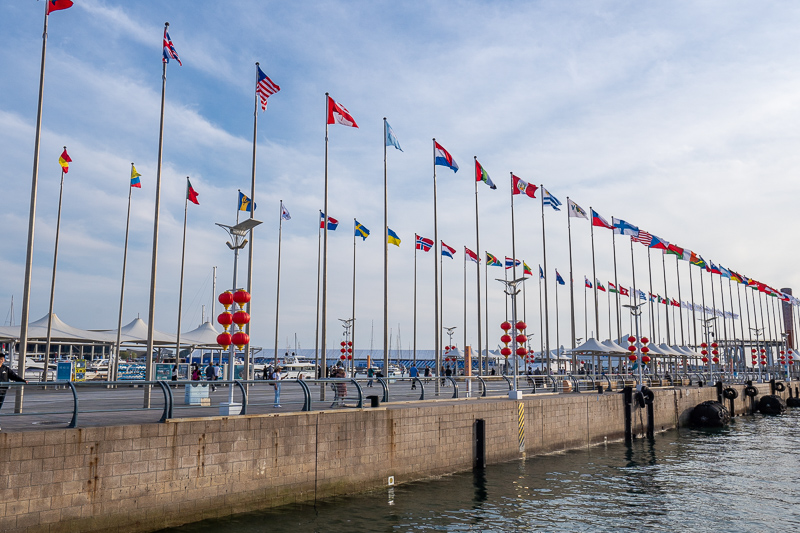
[
  {"x": 485, "y": 368},
  {"x": 541, "y": 316},
  {"x": 513, "y": 238},
  {"x": 386, "y": 260},
  {"x": 558, "y": 343},
  {"x": 594, "y": 289},
  {"x": 152, "y": 312},
  {"x": 436, "y": 251},
  {"x": 741, "y": 321},
  {"x": 183, "y": 262},
  {"x": 465, "y": 311},
  {"x": 52, "y": 284},
  {"x": 546, "y": 307},
  {"x": 353, "y": 310},
  {"x": 252, "y": 240},
  {"x": 115, "y": 367},
  {"x": 478, "y": 277},
  {"x": 724, "y": 318},
  {"x": 278, "y": 288},
  {"x": 666, "y": 294},
  {"x": 571, "y": 277},
  {"x": 324, "y": 318},
  {"x": 680, "y": 298},
  {"x": 694, "y": 313},
  {"x": 749, "y": 323},
  {"x": 318, "y": 361},
  {"x": 26, "y": 292},
  {"x": 585, "y": 313},
  {"x": 635, "y": 295},
  {"x": 616, "y": 282},
  {"x": 650, "y": 298},
  {"x": 415, "y": 298}
]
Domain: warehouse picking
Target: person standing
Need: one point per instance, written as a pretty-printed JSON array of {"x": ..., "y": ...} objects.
[
  {"x": 211, "y": 375},
  {"x": 370, "y": 375},
  {"x": 276, "y": 376},
  {"x": 6, "y": 375},
  {"x": 412, "y": 373}
]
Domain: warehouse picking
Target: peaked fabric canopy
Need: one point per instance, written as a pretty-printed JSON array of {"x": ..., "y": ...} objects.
[{"x": 590, "y": 347}]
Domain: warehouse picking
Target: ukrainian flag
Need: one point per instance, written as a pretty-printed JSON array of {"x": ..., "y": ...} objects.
[
  {"x": 392, "y": 237},
  {"x": 361, "y": 231}
]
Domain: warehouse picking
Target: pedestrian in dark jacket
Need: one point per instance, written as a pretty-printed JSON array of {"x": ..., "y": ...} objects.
[
  {"x": 211, "y": 375},
  {"x": 6, "y": 375}
]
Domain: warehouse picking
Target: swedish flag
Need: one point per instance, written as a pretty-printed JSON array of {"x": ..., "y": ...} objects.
[
  {"x": 392, "y": 238},
  {"x": 361, "y": 231}
]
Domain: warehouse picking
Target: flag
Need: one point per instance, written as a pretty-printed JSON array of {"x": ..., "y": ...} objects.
[
  {"x": 549, "y": 199},
  {"x": 337, "y": 114},
  {"x": 541, "y": 272},
  {"x": 674, "y": 249},
  {"x": 447, "y": 251},
  {"x": 687, "y": 254},
  {"x": 245, "y": 204},
  {"x": 362, "y": 231},
  {"x": 511, "y": 263},
  {"x": 332, "y": 222},
  {"x": 711, "y": 267},
  {"x": 423, "y": 243},
  {"x": 643, "y": 237},
  {"x": 55, "y": 5},
  {"x": 600, "y": 286},
  {"x": 575, "y": 210},
  {"x": 64, "y": 160},
  {"x": 724, "y": 272},
  {"x": 169, "y": 49},
  {"x": 472, "y": 256},
  {"x": 697, "y": 260},
  {"x": 482, "y": 175},
  {"x": 597, "y": 220},
  {"x": 191, "y": 194},
  {"x": 559, "y": 279},
  {"x": 443, "y": 158},
  {"x": 265, "y": 87},
  {"x": 675, "y": 303},
  {"x": 526, "y": 270},
  {"x": 135, "y": 182},
  {"x": 623, "y": 228},
  {"x": 612, "y": 288},
  {"x": 587, "y": 283},
  {"x": 658, "y": 243},
  {"x": 624, "y": 291},
  {"x": 391, "y": 237},
  {"x": 641, "y": 295},
  {"x": 391, "y": 140},
  {"x": 736, "y": 277},
  {"x": 519, "y": 186},
  {"x": 285, "y": 213},
  {"x": 492, "y": 260}
]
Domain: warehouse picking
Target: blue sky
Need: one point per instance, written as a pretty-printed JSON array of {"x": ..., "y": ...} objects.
[{"x": 678, "y": 117}]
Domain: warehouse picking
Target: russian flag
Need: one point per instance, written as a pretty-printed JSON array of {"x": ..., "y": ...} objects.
[{"x": 443, "y": 158}]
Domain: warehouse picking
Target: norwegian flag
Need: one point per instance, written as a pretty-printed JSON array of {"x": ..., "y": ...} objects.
[
  {"x": 169, "y": 49},
  {"x": 265, "y": 87},
  {"x": 472, "y": 256},
  {"x": 337, "y": 114},
  {"x": 423, "y": 243}
]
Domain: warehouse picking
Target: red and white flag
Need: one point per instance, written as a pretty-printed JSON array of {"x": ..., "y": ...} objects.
[
  {"x": 472, "y": 256},
  {"x": 265, "y": 88},
  {"x": 337, "y": 114},
  {"x": 519, "y": 187}
]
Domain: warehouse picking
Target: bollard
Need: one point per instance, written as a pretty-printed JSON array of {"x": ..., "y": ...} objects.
[
  {"x": 374, "y": 401},
  {"x": 599, "y": 389},
  {"x": 18, "y": 396}
]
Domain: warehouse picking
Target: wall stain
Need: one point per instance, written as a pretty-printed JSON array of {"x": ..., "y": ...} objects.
[{"x": 201, "y": 455}]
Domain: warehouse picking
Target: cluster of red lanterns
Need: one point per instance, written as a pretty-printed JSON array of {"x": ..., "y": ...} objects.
[
  {"x": 644, "y": 349},
  {"x": 347, "y": 350},
  {"x": 714, "y": 353},
  {"x": 241, "y": 318},
  {"x": 520, "y": 338}
]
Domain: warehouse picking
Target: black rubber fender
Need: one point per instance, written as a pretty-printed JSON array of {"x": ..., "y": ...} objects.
[
  {"x": 750, "y": 391},
  {"x": 779, "y": 386},
  {"x": 710, "y": 414},
  {"x": 730, "y": 393},
  {"x": 638, "y": 399},
  {"x": 771, "y": 405},
  {"x": 793, "y": 402},
  {"x": 648, "y": 396}
]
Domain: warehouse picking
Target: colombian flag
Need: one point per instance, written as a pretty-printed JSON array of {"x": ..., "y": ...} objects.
[
  {"x": 135, "y": 182},
  {"x": 64, "y": 160}
]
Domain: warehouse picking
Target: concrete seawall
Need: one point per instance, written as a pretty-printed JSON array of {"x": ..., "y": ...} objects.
[{"x": 146, "y": 477}]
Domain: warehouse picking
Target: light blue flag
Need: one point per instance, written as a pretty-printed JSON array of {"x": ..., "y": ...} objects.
[{"x": 391, "y": 140}]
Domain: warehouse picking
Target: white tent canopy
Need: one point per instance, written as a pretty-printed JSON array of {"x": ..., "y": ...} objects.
[{"x": 590, "y": 347}]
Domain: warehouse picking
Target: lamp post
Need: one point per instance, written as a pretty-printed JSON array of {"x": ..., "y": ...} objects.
[
  {"x": 450, "y": 332},
  {"x": 512, "y": 291},
  {"x": 636, "y": 313},
  {"x": 347, "y": 346},
  {"x": 708, "y": 327},
  {"x": 237, "y": 234},
  {"x": 757, "y": 332}
]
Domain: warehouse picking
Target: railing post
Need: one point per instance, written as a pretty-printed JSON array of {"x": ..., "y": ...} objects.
[
  {"x": 455, "y": 386},
  {"x": 244, "y": 397},
  {"x": 167, "y": 401},
  {"x": 360, "y": 394},
  {"x": 421, "y": 388},
  {"x": 74, "y": 422},
  {"x": 306, "y": 395},
  {"x": 385, "y": 389},
  {"x": 483, "y": 385}
]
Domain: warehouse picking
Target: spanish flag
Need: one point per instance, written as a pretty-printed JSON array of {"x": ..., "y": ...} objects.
[{"x": 64, "y": 161}]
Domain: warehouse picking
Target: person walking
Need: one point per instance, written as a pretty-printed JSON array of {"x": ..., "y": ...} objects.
[
  {"x": 276, "y": 376},
  {"x": 370, "y": 375},
  {"x": 6, "y": 375},
  {"x": 412, "y": 373},
  {"x": 211, "y": 375}
]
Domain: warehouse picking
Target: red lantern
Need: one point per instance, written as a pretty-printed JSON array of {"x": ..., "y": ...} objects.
[
  {"x": 764, "y": 362},
  {"x": 645, "y": 349},
  {"x": 704, "y": 359},
  {"x": 715, "y": 352},
  {"x": 240, "y": 338},
  {"x": 715, "y": 359},
  {"x": 226, "y": 299},
  {"x": 645, "y": 359},
  {"x": 632, "y": 357},
  {"x": 225, "y": 319},
  {"x": 631, "y": 339},
  {"x": 241, "y": 297},
  {"x": 349, "y": 357},
  {"x": 763, "y": 350},
  {"x": 506, "y": 351},
  {"x": 791, "y": 362},
  {"x": 342, "y": 357},
  {"x": 240, "y": 318},
  {"x": 224, "y": 339},
  {"x": 714, "y": 344},
  {"x": 349, "y": 343},
  {"x": 782, "y": 352},
  {"x": 521, "y": 351},
  {"x": 704, "y": 345},
  {"x": 631, "y": 349},
  {"x": 505, "y": 326},
  {"x": 349, "y": 350},
  {"x": 521, "y": 325},
  {"x": 704, "y": 352},
  {"x": 343, "y": 343},
  {"x": 790, "y": 352},
  {"x": 645, "y": 340},
  {"x": 521, "y": 338},
  {"x": 343, "y": 350},
  {"x": 505, "y": 338},
  {"x": 791, "y": 357},
  {"x": 753, "y": 350}
]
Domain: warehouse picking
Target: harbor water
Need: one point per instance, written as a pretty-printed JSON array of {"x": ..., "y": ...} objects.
[{"x": 741, "y": 478}]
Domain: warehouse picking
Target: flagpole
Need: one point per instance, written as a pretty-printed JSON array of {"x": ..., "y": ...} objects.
[
  {"x": 415, "y": 297},
  {"x": 666, "y": 293},
  {"x": 278, "y": 287},
  {"x": 180, "y": 290},
  {"x": 114, "y": 373},
  {"x": 52, "y": 283},
  {"x": 616, "y": 284},
  {"x": 703, "y": 301},
  {"x": 764, "y": 326},
  {"x": 546, "y": 307},
  {"x": 585, "y": 313},
  {"x": 594, "y": 291},
  {"x": 326, "y": 214},
  {"x": 650, "y": 299},
  {"x": 252, "y": 240},
  {"x": 635, "y": 296},
  {"x": 694, "y": 313},
  {"x": 353, "y": 310},
  {"x": 680, "y": 299},
  {"x": 152, "y": 311},
  {"x": 322, "y": 369},
  {"x": 436, "y": 250},
  {"x": 26, "y": 296},
  {"x": 477, "y": 276},
  {"x": 571, "y": 285},
  {"x": 749, "y": 322},
  {"x": 741, "y": 320},
  {"x": 513, "y": 237},
  {"x": 386, "y": 261},
  {"x": 465, "y": 312},
  {"x": 541, "y": 316},
  {"x": 485, "y": 368},
  {"x": 608, "y": 295},
  {"x": 558, "y": 342}
]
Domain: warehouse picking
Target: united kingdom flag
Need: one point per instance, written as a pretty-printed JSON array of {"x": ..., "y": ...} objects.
[{"x": 169, "y": 49}]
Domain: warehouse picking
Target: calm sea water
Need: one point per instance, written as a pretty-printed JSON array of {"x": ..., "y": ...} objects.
[{"x": 742, "y": 478}]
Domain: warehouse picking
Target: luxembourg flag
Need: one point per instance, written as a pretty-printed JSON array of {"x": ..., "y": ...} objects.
[
  {"x": 443, "y": 158},
  {"x": 447, "y": 251}
]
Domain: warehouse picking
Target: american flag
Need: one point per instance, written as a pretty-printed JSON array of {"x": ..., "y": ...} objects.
[
  {"x": 643, "y": 237},
  {"x": 265, "y": 88}
]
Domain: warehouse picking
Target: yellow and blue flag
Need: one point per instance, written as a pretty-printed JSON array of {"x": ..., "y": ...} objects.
[
  {"x": 245, "y": 203},
  {"x": 361, "y": 231},
  {"x": 392, "y": 238},
  {"x": 135, "y": 181}
]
